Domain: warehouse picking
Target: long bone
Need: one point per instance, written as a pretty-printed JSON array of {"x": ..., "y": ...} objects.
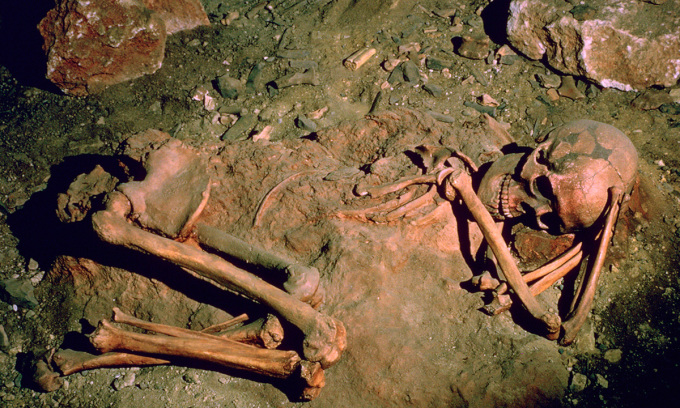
[
  {"x": 462, "y": 184},
  {"x": 274, "y": 363},
  {"x": 325, "y": 337},
  {"x": 302, "y": 282},
  {"x": 583, "y": 299}
]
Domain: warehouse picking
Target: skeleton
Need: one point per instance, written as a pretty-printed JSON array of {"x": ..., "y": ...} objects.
[
  {"x": 576, "y": 180},
  {"x": 160, "y": 216}
]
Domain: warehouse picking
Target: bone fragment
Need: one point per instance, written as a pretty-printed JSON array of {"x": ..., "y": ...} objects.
[
  {"x": 266, "y": 332},
  {"x": 274, "y": 363},
  {"x": 485, "y": 281},
  {"x": 314, "y": 379},
  {"x": 226, "y": 325},
  {"x": 462, "y": 183},
  {"x": 325, "y": 337},
  {"x": 359, "y": 58},
  {"x": 302, "y": 281},
  {"x": 579, "y": 314}
]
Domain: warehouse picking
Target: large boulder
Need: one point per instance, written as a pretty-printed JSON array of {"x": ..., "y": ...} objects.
[
  {"x": 94, "y": 44},
  {"x": 627, "y": 45}
]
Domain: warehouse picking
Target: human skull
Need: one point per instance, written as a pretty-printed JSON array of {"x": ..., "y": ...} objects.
[{"x": 562, "y": 184}]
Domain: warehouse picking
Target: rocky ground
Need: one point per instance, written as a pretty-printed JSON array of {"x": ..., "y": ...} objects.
[{"x": 416, "y": 336}]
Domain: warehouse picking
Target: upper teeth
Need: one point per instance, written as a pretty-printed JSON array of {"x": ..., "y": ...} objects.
[{"x": 503, "y": 204}]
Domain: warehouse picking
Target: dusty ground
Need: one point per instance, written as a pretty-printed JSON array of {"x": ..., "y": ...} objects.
[{"x": 416, "y": 336}]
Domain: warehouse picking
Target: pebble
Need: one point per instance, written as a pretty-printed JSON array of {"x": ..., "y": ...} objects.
[
  {"x": 411, "y": 72},
  {"x": 613, "y": 355},
  {"x": 128, "y": 380},
  {"x": 601, "y": 381},
  {"x": 437, "y": 64},
  {"x": 228, "y": 87},
  {"x": 33, "y": 265},
  {"x": 473, "y": 46},
  {"x": 433, "y": 90},
  {"x": 549, "y": 81},
  {"x": 578, "y": 382},
  {"x": 306, "y": 124}
]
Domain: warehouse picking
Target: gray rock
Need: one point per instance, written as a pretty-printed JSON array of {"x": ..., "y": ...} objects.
[
  {"x": 18, "y": 292},
  {"x": 578, "y": 382},
  {"x": 305, "y": 123},
  {"x": 433, "y": 90}
]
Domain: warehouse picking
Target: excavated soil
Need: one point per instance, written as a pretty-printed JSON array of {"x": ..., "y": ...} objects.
[{"x": 416, "y": 334}]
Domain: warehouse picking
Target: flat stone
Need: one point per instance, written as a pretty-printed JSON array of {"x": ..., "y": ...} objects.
[
  {"x": 18, "y": 292},
  {"x": 578, "y": 382},
  {"x": 473, "y": 46},
  {"x": 627, "y": 45},
  {"x": 433, "y": 90}
]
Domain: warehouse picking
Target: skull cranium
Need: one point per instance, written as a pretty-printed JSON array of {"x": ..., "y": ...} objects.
[{"x": 563, "y": 183}]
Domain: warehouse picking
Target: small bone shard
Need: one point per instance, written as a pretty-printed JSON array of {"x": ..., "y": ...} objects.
[{"x": 359, "y": 58}]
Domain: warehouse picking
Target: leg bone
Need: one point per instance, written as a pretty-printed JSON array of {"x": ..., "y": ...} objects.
[
  {"x": 274, "y": 363},
  {"x": 325, "y": 337}
]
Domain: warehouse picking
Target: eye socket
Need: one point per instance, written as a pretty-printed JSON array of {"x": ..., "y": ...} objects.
[
  {"x": 542, "y": 187},
  {"x": 542, "y": 157}
]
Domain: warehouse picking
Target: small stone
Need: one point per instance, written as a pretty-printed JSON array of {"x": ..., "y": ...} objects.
[
  {"x": 4, "y": 339},
  {"x": 569, "y": 90},
  {"x": 191, "y": 378},
  {"x": 437, "y": 64},
  {"x": 553, "y": 95},
  {"x": 128, "y": 380},
  {"x": 473, "y": 46},
  {"x": 549, "y": 81},
  {"x": 601, "y": 381},
  {"x": 433, "y": 90},
  {"x": 33, "y": 265},
  {"x": 578, "y": 382},
  {"x": 613, "y": 355},
  {"x": 305, "y": 124},
  {"x": 411, "y": 72},
  {"x": 228, "y": 87},
  {"x": 675, "y": 95},
  {"x": 651, "y": 99}
]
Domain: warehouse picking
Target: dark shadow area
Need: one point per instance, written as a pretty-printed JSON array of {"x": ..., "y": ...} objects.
[
  {"x": 21, "y": 43},
  {"x": 495, "y": 17}
]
